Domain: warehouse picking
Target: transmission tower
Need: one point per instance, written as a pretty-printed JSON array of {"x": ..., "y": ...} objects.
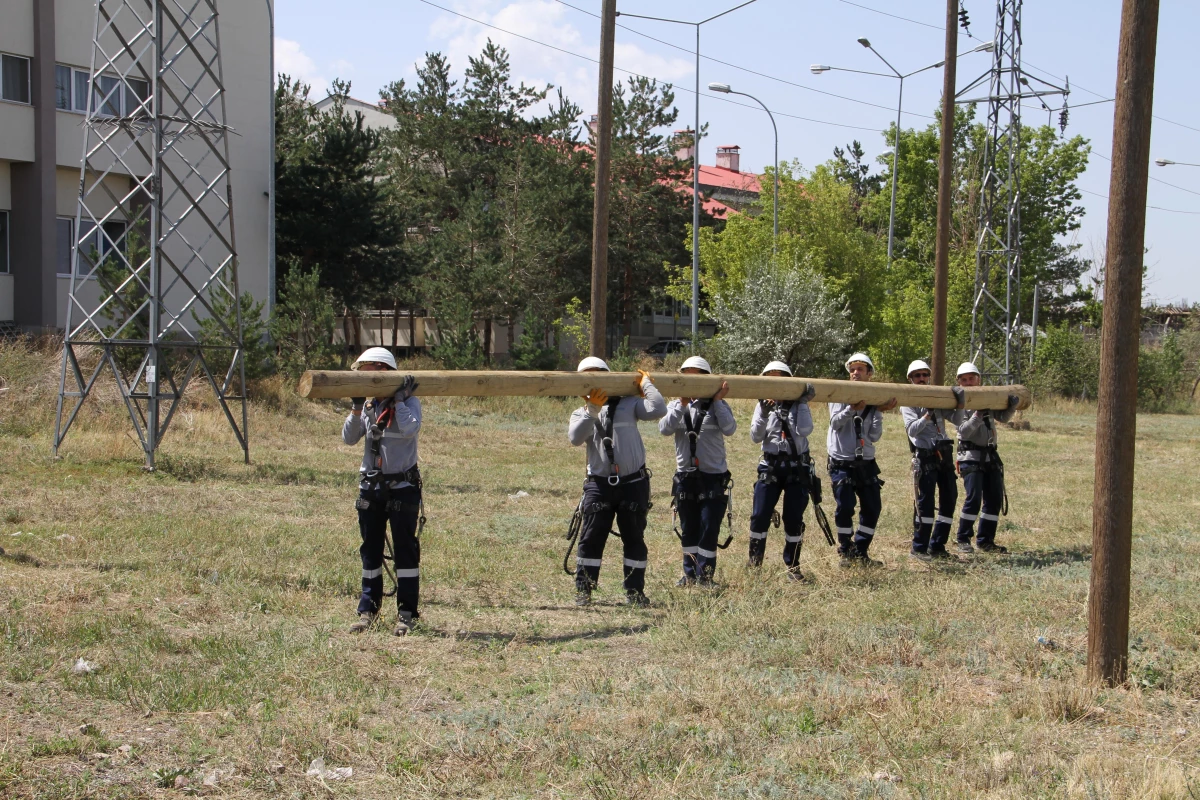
[
  {"x": 154, "y": 244},
  {"x": 996, "y": 323}
]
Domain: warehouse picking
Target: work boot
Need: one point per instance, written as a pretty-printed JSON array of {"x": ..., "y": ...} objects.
[
  {"x": 365, "y": 621},
  {"x": 755, "y": 560},
  {"x": 921, "y": 555},
  {"x": 938, "y": 553},
  {"x": 635, "y": 598},
  {"x": 583, "y": 596},
  {"x": 404, "y": 624},
  {"x": 795, "y": 576},
  {"x": 845, "y": 557},
  {"x": 991, "y": 547},
  {"x": 686, "y": 580},
  {"x": 965, "y": 547}
]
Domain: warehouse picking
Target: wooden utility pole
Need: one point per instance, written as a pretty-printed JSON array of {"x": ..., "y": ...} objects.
[
  {"x": 941, "y": 258},
  {"x": 1116, "y": 419},
  {"x": 603, "y": 141}
]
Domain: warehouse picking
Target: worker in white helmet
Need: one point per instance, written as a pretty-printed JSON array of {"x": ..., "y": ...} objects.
[
  {"x": 700, "y": 489},
  {"x": 853, "y": 431},
  {"x": 933, "y": 470},
  {"x": 389, "y": 492},
  {"x": 785, "y": 468},
  {"x": 981, "y": 469},
  {"x": 618, "y": 483}
]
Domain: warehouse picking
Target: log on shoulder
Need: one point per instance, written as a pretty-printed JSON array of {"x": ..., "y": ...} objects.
[{"x": 497, "y": 383}]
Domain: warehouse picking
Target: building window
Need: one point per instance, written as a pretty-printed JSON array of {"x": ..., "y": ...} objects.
[
  {"x": 3, "y": 242},
  {"x": 14, "y": 79},
  {"x": 95, "y": 246},
  {"x": 112, "y": 98},
  {"x": 64, "y": 243}
]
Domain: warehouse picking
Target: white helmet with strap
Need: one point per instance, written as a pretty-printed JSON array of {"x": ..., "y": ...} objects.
[
  {"x": 776, "y": 366},
  {"x": 591, "y": 362},
  {"x": 916, "y": 365},
  {"x": 860, "y": 357},
  {"x": 376, "y": 355},
  {"x": 696, "y": 362},
  {"x": 966, "y": 368}
]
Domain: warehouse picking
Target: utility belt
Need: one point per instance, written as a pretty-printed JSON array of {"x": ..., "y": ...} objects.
[
  {"x": 377, "y": 479},
  {"x": 619, "y": 480},
  {"x": 696, "y": 486},
  {"x": 859, "y": 472},
  {"x": 785, "y": 468},
  {"x": 984, "y": 458},
  {"x": 939, "y": 457}
]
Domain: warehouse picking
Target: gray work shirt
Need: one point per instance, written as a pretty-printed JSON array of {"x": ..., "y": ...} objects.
[
  {"x": 628, "y": 450},
  {"x": 841, "y": 443},
  {"x": 767, "y": 428},
  {"x": 398, "y": 447},
  {"x": 978, "y": 428},
  {"x": 710, "y": 444},
  {"x": 922, "y": 432}
]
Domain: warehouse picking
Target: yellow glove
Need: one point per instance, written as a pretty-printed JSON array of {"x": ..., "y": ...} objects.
[
  {"x": 596, "y": 397},
  {"x": 644, "y": 382}
]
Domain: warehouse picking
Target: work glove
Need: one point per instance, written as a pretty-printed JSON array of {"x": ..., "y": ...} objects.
[
  {"x": 810, "y": 392},
  {"x": 1013, "y": 402},
  {"x": 644, "y": 381},
  {"x": 596, "y": 397},
  {"x": 357, "y": 403},
  {"x": 407, "y": 387},
  {"x": 767, "y": 406},
  {"x": 960, "y": 397}
]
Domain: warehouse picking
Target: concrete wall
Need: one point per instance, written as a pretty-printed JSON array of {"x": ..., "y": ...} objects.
[{"x": 16, "y": 28}]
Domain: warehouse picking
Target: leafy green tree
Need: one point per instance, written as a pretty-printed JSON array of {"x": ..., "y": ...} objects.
[
  {"x": 303, "y": 324},
  {"x": 220, "y": 330}
]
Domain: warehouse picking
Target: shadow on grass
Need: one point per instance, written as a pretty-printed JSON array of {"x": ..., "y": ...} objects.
[
  {"x": 488, "y": 637},
  {"x": 1040, "y": 559},
  {"x": 20, "y": 558}
]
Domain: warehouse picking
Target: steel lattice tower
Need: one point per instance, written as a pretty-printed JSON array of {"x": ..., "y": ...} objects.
[
  {"x": 996, "y": 326},
  {"x": 154, "y": 229}
]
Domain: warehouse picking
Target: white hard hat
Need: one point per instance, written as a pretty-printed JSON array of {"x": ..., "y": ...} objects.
[
  {"x": 966, "y": 368},
  {"x": 378, "y": 355},
  {"x": 776, "y": 365},
  {"x": 863, "y": 357},
  {"x": 916, "y": 365},
  {"x": 696, "y": 362},
  {"x": 591, "y": 362}
]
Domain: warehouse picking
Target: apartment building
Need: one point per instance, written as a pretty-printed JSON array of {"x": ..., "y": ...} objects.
[{"x": 45, "y": 58}]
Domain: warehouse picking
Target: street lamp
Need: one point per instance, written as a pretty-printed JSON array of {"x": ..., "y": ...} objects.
[
  {"x": 818, "y": 69},
  {"x": 1166, "y": 162},
  {"x": 695, "y": 164},
  {"x": 724, "y": 88}
]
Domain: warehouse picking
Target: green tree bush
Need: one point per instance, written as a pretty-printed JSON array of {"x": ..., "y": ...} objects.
[{"x": 303, "y": 324}]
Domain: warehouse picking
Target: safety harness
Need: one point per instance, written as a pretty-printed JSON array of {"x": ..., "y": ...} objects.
[
  {"x": 793, "y": 467},
  {"x": 861, "y": 471},
  {"x": 939, "y": 457},
  {"x": 683, "y": 485},
  {"x": 987, "y": 458},
  {"x": 606, "y": 440},
  {"x": 376, "y": 480},
  {"x": 693, "y": 428}
]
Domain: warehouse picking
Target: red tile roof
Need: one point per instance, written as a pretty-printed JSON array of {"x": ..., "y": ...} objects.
[{"x": 728, "y": 179}]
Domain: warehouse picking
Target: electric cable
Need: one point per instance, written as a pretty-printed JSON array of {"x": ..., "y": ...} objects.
[
  {"x": 1156, "y": 208},
  {"x": 649, "y": 77}
]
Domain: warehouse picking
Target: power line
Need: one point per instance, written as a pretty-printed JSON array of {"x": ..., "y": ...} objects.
[
  {"x": 639, "y": 75},
  {"x": 744, "y": 69},
  {"x": 1024, "y": 63},
  {"x": 1156, "y": 208},
  {"x": 1156, "y": 180}
]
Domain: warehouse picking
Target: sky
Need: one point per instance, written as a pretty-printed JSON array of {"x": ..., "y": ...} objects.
[{"x": 767, "y": 48}]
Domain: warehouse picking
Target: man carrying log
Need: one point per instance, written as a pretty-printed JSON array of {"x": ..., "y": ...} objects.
[
  {"x": 782, "y": 426},
  {"x": 981, "y": 469},
  {"x": 389, "y": 492},
  {"x": 618, "y": 483},
  {"x": 853, "y": 431},
  {"x": 700, "y": 488},
  {"x": 933, "y": 470}
]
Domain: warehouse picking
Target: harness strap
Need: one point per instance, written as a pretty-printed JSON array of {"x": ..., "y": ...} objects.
[
  {"x": 859, "y": 442},
  {"x": 694, "y": 427},
  {"x": 607, "y": 440},
  {"x": 785, "y": 429}
]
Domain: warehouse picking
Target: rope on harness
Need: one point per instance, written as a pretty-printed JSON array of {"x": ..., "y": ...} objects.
[
  {"x": 728, "y": 515},
  {"x": 818, "y": 512},
  {"x": 573, "y": 529}
]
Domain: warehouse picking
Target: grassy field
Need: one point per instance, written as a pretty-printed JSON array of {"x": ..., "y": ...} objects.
[{"x": 214, "y": 598}]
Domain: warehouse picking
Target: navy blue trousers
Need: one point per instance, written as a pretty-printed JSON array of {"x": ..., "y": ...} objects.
[
  {"x": 985, "y": 497},
  {"x": 700, "y": 522},
  {"x": 766, "y": 497},
  {"x": 930, "y": 532},
  {"x": 627, "y": 505},
  {"x": 850, "y": 490},
  {"x": 401, "y": 508}
]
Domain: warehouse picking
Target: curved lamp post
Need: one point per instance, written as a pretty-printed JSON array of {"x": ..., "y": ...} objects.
[{"x": 724, "y": 88}]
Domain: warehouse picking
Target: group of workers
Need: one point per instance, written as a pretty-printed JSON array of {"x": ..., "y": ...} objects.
[{"x": 617, "y": 487}]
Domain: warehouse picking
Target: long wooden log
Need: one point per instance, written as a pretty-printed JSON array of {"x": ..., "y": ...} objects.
[{"x": 497, "y": 383}]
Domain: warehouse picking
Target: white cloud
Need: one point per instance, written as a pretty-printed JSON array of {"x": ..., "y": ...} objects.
[
  {"x": 545, "y": 21},
  {"x": 291, "y": 60}
]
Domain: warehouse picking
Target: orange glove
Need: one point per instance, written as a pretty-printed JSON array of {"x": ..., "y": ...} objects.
[
  {"x": 596, "y": 397},
  {"x": 644, "y": 382}
]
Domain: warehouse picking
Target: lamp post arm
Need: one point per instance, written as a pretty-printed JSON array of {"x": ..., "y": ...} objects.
[
  {"x": 884, "y": 60},
  {"x": 775, "y": 167}
]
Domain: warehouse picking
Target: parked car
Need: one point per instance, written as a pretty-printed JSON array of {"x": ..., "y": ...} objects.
[{"x": 665, "y": 346}]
